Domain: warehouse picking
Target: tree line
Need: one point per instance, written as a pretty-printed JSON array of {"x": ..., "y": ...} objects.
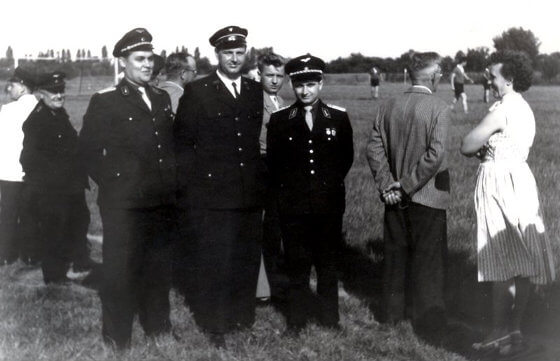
[{"x": 84, "y": 64}]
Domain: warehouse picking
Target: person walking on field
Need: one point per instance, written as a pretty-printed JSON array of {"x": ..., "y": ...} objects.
[
  {"x": 407, "y": 156},
  {"x": 513, "y": 247},
  {"x": 374, "y": 78},
  {"x": 309, "y": 152},
  {"x": 221, "y": 193},
  {"x": 127, "y": 145},
  {"x": 458, "y": 77},
  {"x": 12, "y": 218}
]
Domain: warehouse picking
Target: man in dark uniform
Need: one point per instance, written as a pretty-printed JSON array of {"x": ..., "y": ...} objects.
[
  {"x": 128, "y": 148},
  {"x": 221, "y": 189},
  {"x": 55, "y": 181},
  {"x": 309, "y": 153}
]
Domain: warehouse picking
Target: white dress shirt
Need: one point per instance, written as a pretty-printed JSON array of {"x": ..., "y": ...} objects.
[{"x": 228, "y": 83}]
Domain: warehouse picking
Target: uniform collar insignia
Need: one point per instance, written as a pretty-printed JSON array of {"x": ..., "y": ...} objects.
[
  {"x": 125, "y": 90},
  {"x": 326, "y": 112},
  {"x": 293, "y": 113}
]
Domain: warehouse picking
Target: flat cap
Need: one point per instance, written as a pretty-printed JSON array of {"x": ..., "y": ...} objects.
[
  {"x": 134, "y": 40},
  {"x": 229, "y": 37},
  {"x": 23, "y": 76},
  {"x": 52, "y": 82},
  {"x": 305, "y": 67}
]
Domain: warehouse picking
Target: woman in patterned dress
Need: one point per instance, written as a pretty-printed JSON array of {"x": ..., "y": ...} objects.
[{"x": 513, "y": 248}]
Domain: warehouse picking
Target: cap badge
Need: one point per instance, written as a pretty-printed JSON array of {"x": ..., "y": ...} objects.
[
  {"x": 142, "y": 39},
  {"x": 231, "y": 38},
  {"x": 230, "y": 29},
  {"x": 305, "y": 60},
  {"x": 306, "y": 68}
]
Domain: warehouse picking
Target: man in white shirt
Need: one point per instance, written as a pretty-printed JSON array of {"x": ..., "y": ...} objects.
[{"x": 12, "y": 116}]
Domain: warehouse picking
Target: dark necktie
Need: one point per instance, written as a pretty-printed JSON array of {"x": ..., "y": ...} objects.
[{"x": 235, "y": 90}]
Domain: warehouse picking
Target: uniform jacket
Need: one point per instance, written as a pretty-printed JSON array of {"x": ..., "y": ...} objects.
[
  {"x": 217, "y": 142},
  {"x": 50, "y": 157},
  {"x": 408, "y": 144},
  {"x": 128, "y": 148},
  {"x": 268, "y": 109},
  {"x": 308, "y": 167}
]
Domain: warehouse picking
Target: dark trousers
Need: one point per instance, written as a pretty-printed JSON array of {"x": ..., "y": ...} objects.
[
  {"x": 10, "y": 201},
  {"x": 52, "y": 221},
  {"x": 136, "y": 271},
  {"x": 273, "y": 252},
  {"x": 415, "y": 255},
  {"x": 312, "y": 240},
  {"x": 225, "y": 251},
  {"x": 80, "y": 245}
]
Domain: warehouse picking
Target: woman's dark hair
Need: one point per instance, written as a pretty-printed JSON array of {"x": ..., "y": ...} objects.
[{"x": 516, "y": 67}]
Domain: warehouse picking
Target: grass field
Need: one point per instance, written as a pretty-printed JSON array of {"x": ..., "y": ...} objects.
[{"x": 63, "y": 323}]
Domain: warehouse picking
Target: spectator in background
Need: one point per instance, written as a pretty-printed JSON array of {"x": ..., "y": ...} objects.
[
  {"x": 273, "y": 280},
  {"x": 12, "y": 116},
  {"x": 458, "y": 77},
  {"x": 180, "y": 69},
  {"x": 374, "y": 77},
  {"x": 486, "y": 84},
  {"x": 55, "y": 180},
  {"x": 513, "y": 247},
  {"x": 407, "y": 156}
]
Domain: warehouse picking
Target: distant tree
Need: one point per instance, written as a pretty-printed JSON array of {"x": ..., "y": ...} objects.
[
  {"x": 477, "y": 58},
  {"x": 177, "y": 49},
  {"x": 68, "y": 55},
  {"x": 9, "y": 53},
  {"x": 550, "y": 65},
  {"x": 204, "y": 66},
  {"x": 104, "y": 52},
  {"x": 78, "y": 54},
  {"x": 88, "y": 54},
  {"x": 447, "y": 64},
  {"x": 163, "y": 54},
  {"x": 519, "y": 39},
  {"x": 51, "y": 53},
  {"x": 196, "y": 53}
]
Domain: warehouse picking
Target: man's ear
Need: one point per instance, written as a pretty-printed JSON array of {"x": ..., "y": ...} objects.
[{"x": 122, "y": 62}]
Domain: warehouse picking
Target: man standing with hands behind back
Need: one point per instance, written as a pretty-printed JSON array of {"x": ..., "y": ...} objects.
[
  {"x": 221, "y": 181},
  {"x": 406, "y": 154},
  {"x": 127, "y": 143}
]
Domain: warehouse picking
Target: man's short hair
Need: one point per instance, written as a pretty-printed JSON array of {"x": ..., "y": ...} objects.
[
  {"x": 176, "y": 63},
  {"x": 270, "y": 59},
  {"x": 421, "y": 61}
]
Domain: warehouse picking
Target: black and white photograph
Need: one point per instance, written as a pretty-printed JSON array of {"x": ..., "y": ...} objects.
[{"x": 283, "y": 181}]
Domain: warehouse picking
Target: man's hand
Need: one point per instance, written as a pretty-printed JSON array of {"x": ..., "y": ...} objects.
[{"x": 392, "y": 194}]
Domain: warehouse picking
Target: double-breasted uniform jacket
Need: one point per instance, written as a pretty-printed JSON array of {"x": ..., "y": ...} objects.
[
  {"x": 308, "y": 167},
  {"x": 217, "y": 143},
  {"x": 50, "y": 156},
  {"x": 128, "y": 148}
]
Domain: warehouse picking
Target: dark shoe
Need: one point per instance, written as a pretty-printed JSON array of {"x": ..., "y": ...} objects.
[
  {"x": 293, "y": 331},
  {"x": 218, "y": 340},
  {"x": 62, "y": 281},
  {"x": 85, "y": 265}
]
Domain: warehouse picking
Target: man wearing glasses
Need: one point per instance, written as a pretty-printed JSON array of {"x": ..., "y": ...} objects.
[
  {"x": 180, "y": 69},
  {"x": 406, "y": 154}
]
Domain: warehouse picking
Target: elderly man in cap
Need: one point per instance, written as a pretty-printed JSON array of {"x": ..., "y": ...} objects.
[
  {"x": 55, "y": 180},
  {"x": 128, "y": 148},
  {"x": 221, "y": 188},
  {"x": 180, "y": 69},
  {"x": 406, "y": 153},
  {"x": 12, "y": 116},
  {"x": 309, "y": 152}
]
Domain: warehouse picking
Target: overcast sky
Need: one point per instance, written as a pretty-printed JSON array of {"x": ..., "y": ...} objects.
[{"x": 328, "y": 29}]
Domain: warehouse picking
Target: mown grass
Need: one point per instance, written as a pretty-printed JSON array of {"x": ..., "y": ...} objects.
[{"x": 63, "y": 323}]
